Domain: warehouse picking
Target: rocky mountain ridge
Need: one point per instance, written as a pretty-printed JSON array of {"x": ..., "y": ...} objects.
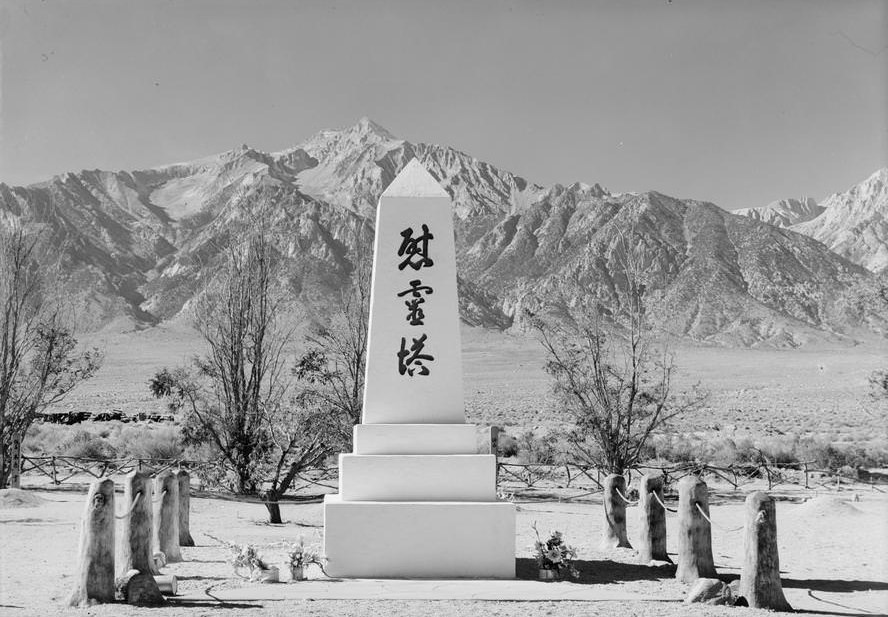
[
  {"x": 139, "y": 245},
  {"x": 785, "y": 212},
  {"x": 853, "y": 223}
]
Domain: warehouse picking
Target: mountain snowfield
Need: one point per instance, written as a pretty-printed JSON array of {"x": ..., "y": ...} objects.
[
  {"x": 139, "y": 245},
  {"x": 785, "y": 212},
  {"x": 853, "y": 224}
]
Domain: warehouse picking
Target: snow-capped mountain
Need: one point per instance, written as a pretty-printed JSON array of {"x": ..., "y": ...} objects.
[
  {"x": 785, "y": 212},
  {"x": 854, "y": 224},
  {"x": 141, "y": 244}
]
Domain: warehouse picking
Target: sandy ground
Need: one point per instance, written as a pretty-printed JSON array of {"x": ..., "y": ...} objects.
[
  {"x": 833, "y": 552},
  {"x": 815, "y": 390}
]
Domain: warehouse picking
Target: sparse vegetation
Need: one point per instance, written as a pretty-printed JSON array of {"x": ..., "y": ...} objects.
[
  {"x": 820, "y": 452},
  {"x": 39, "y": 361},
  {"x": 238, "y": 401},
  {"x": 609, "y": 375},
  {"x": 105, "y": 441},
  {"x": 336, "y": 359}
]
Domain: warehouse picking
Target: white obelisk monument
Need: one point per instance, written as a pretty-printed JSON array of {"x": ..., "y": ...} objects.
[{"x": 415, "y": 499}]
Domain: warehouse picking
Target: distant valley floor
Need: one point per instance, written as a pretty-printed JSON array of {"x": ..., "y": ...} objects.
[{"x": 812, "y": 390}]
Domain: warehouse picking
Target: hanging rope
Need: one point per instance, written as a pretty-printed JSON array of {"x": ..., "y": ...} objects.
[
  {"x": 132, "y": 506},
  {"x": 660, "y": 501},
  {"x": 703, "y": 514},
  {"x": 160, "y": 497},
  {"x": 624, "y": 498}
]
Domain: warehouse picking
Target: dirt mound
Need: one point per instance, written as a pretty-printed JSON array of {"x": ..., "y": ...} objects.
[
  {"x": 827, "y": 505},
  {"x": 11, "y": 498}
]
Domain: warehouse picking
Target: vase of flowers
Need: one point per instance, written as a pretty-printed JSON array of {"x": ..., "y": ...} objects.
[
  {"x": 554, "y": 557},
  {"x": 299, "y": 557}
]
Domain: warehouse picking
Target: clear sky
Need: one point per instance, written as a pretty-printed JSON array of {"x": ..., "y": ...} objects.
[{"x": 736, "y": 102}]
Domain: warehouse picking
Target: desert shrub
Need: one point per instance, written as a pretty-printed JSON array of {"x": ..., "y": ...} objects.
[
  {"x": 815, "y": 450},
  {"x": 676, "y": 448},
  {"x": 210, "y": 476},
  {"x": 546, "y": 449},
  {"x": 85, "y": 444},
  {"x": 877, "y": 453},
  {"x": 44, "y": 439},
  {"x": 506, "y": 445},
  {"x": 159, "y": 442},
  {"x": 781, "y": 450},
  {"x": 846, "y": 471}
]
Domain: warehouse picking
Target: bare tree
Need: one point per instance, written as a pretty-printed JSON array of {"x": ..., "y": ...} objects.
[
  {"x": 337, "y": 358},
  {"x": 39, "y": 364},
  {"x": 610, "y": 375},
  {"x": 238, "y": 397}
]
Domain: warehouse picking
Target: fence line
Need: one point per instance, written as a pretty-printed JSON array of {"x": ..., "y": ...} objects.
[{"x": 564, "y": 475}]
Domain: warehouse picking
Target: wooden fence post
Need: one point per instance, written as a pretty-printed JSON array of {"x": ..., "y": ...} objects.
[
  {"x": 614, "y": 531},
  {"x": 694, "y": 532},
  {"x": 135, "y": 531},
  {"x": 95, "y": 564},
  {"x": 135, "y": 560},
  {"x": 166, "y": 516},
  {"x": 184, "y": 480},
  {"x": 652, "y": 520},
  {"x": 760, "y": 576}
]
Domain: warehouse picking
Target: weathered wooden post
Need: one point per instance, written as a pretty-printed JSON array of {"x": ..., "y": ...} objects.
[
  {"x": 494, "y": 440},
  {"x": 166, "y": 516},
  {"x": 652, "y": 520},
  {"x": 135, "y": 530},
  {"x": 614, "y": 532},
  {"x": 694, "y": 532},
  {"x": 184, "y": 480},
  {"x": 760, "y": 576},
  {"x": 135, "y": 561},
  {"x": 95, "y": 567}
]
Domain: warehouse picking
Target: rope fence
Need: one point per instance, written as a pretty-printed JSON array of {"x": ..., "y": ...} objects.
[
  {"x": 663, "y": 505},
  {"x": 131, "y": 508},
  {"x": 709, "y": 520},
  {"x": 624, "y": 498},
  {"x": 511, "y": 476}
]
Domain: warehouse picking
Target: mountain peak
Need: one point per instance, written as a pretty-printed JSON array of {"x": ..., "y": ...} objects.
[
  {"x": 365, "y": 126},
  {"x": 415, "y": 181}
]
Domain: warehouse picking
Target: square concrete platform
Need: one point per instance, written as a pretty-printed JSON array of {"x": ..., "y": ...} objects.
[
  {"x": 407, "y": 477},
  {"x": 374, "y": 539},
  {"x": 415, "y": 439}
]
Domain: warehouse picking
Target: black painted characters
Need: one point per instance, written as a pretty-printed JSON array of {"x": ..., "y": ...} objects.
[{"x": 415, "y": 251}]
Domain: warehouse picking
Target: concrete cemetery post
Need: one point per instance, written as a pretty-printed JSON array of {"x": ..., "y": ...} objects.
[
  {"x": 135, "y": 529},
  {"x": 694, "y": 532},
  {"x": 135, "y": 562},
  {"x": 415, "y": 499},
  {"x": 613, "y": 534},
  {"x": 166, "y": 516},
  {"x": 651, "y": 520},
  {"x": 95, "y": 564},
  {"x": 184, "y": 480},
  {"x": 760, "y": 576}
]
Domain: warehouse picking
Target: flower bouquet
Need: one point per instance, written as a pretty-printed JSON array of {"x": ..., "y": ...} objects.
[
  {"x": 248, "y": 557},
  {"x": 299, "y": 557},
  {"x": 554, "y": 557}
]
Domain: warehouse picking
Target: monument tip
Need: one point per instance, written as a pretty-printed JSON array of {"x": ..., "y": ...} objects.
[{"x": 415, "y": 181}]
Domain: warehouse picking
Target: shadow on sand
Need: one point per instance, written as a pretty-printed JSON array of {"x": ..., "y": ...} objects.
[
  {"x": 821, "y": 584},
  {"x": 600, "y": 572}
]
